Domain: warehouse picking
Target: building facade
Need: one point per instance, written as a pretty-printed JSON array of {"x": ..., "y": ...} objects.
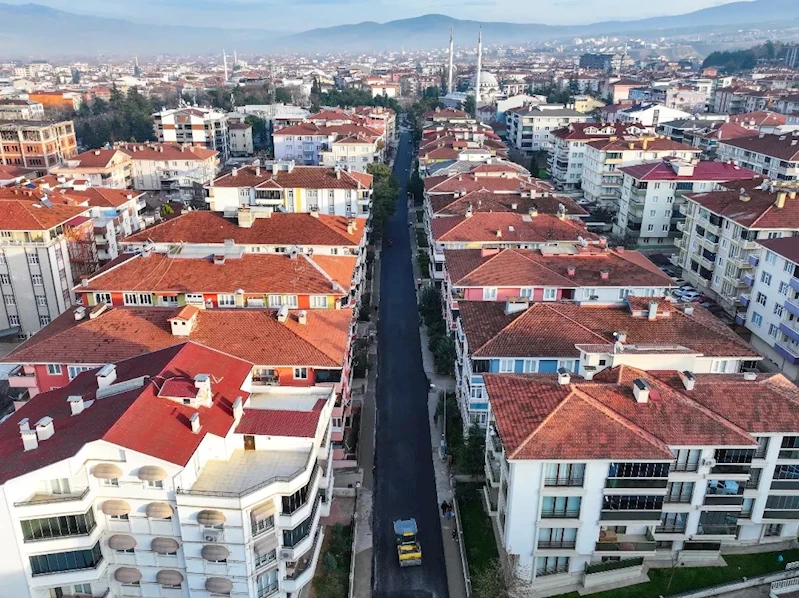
[
  {"x": 101, "y": 168},
  {"x": 36, "y": 144},
  {"x": 773, "y": 156},
  {"x": 203, "y": 127},
  {"x": 531, "y": 129}
]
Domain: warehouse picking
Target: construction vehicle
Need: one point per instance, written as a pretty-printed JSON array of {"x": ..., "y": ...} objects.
[{"x": 409, "y": 551}]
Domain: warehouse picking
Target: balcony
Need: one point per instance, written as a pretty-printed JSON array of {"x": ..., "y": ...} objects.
[
  {"x": 740, "y": 318},
  {"x": 675, "y": 499},
  {"x": 753, "y": 261},
  {"x": 629, "y": 515},
  {"x": 708, "y": 244},
  {"x": 788, "y": 454},
  {"x": 772, "y": 515},
  {"x": 794, "y": 284},
  {"x": 718, "y": 500},
  {"x": 789, "y": 331},
  {"x": 573, "y": 482},
  {"x": 681, "y": 227},
  {"x": 785, "y": 484},
  {"x": 678, "y": 243},
  {"x": 671, "y": 528},
  {"x": 636, "y": 483},
  {"x": 788, "y": 351},
  {"x": 725, "y": 531},
  {"x": 614, "y": 544},
  {"x": 674, "y": 258},
  {"x": 298, "y": 577},
  {"x": 561, "y": 514},
  {"x": 790, "y": 305},
  {"x": 708, "y": 263},
  {"x": 19, "y": 378},
  {"x": 728, "y": 469},
  {"x": 556, "y": 544},
  {"x": 492, "y": 470},
  {"x": 44, "y": 499},
  {"x": 612, "y": 565}
]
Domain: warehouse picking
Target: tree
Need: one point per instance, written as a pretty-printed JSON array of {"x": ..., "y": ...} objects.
[
  {"x": 574, "y": 87},
  {"x": 75, "y": 77},
  {"x": 166, "y": 210},
  {"x": 473, "y": 459},
  {"x": 282, "y": 95},
  {"x": 496, "y": 580},
  {"x": 416, "y": 186},
  {"x": 259, "y": 131},
  {"x": 469, "y": 105},
  {"x": 316, "y": 95}
]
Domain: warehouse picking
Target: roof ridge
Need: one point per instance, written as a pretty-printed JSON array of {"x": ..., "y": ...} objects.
[
  {"x": 321, "y": 270},
  {"x": 551, "y": 306},
  {"x": 546, "y": 419}
]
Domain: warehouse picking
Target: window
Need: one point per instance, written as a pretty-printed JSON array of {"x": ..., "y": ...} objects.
[
  {"x": 137, "y": 298},
  {"x": 788, "y": 266},
  {"x": 226, "y": 300},
  {"x": 33, "y": 258},
  {"x": 783, "y": 290},
  {"x": 75, "y": 560},
  {"x": 569, "y": 364},
  {"x": 9, "y": 300},
  {"x": 37, "y": 279},
  {"x": 54, "y": 369},
  {"x": 124, "y": 517},
  {"x": 526, "y": 293},
  {"x": 169, "y": 300},
  {"x": 300, "y": 373},
  {"x": 83, "y": 588},
  {"x": 551, "y": 565},
  {"x": 589, "y": 293},
  {"x": 505, "y": 366},
  {"x": 41, "y": 300},
  {"x": 5, "y": 279},
  {"x": 489, "y": 294},
  {"x": 530, "y": 366},
  {"x": 102, "y": 298},
  {"x": 550, "y": 294},
  {"x": 318, "y": 302},
  {"x": 74, "y": 370},
  {"x": 564, "y": 474},
  {"x": 773, "y": 330},
  {"x": 154, "y": 484},
  {"x": 718, "y": 366},
  {"x": 265, "y": 559},
  {"x": 560, "y": 507},
  {"x": 679, "y": 492},
  {"x": 263, "y": 525},
  {"x": 557, "y": 537},
  {"x": 772, "y": 530},
  {"x": 777, "y": 309},
  {"x": 194, "y": 299},
  {"x": 58, "y": 527},
  {"x": 757, "y": 319},
  {"x": 765, "y": 278},
  {"x": 13, "y": 320},
  {"x": 761, "y": 298},
  {"x": 771, "y": 258}
]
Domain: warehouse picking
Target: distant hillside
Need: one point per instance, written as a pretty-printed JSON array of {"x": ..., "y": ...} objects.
[{"x": 33, "y": 29}]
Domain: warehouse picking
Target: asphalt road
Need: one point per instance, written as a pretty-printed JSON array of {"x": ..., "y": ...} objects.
[{"x": 404, "y": 479}]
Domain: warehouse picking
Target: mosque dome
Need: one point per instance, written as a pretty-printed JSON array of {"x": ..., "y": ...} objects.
[{"x": 486, "y": 80}]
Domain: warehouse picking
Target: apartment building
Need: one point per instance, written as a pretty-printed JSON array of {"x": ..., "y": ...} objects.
[
  {"x": 346, "y": 145},
  {"x": 772, "y": 303},
  {"x": 37, "y": 143},
  {"x": 282, "y": 231},
  {"x": 585, "y": 336},
  {"x": 719, "y": 246},
  {"x": 729, "y": 100},
  {"x": 567, "y": 154},
  {"x": 101, "y": 168},
  {"x": 652, "y": 193},
  {"x": 530, "y": 129},
  {"x": 687, "y": 467},
  {"x": 38, "y": 245},
  {"x": 602, "y": 177},
  {"x": 58, "y": 101},
  {"x": 773, "y": 156},
  {"x": 192, "y": 125},
  {"x": 260, "y": 190},
  {"x": 547, "y": 274},
  {"x": 241, "y": 144},
  {"x": 649, "y": 115},
  {"x": 501, "y": 230},
  {"x": 762, "y": 122},
  {"x": 170, "y": 167},
  {"x": 788, "y": 104},
  {"x": 167, "y": 473},
  {"x": 21, "y": 110}
]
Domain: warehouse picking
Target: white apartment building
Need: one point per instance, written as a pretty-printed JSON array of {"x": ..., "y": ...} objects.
[
  {"x": 275, "y": 185},
  {"x": 36, "y": 259},
  {"x": 650, "y": 115},
  {"x": 347, "y": 145},
  {"x": 719, "y": 247},
  {"x": 530, "y": 128},
  {"x": 688, "y": 467},
  {"x": 355, "y": 152},
  {"x": 241, "y": 144},
  {"x": 21, "y": 110},
  {"x": 773, "y": 156},
  {"x": 170, "y": 167},
  {"x": 652, "y": 193},
  {"x": 772, "y": 304},
  {"x": 567, "y": 154},
  {"x": 602, "y": 177},
  {"x": 165, "y": 475},
  {"x": 100, "y": 167},
  {"x": 204, "y": 127}
]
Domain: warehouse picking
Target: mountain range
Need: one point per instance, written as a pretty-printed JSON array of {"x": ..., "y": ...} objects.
[{"x": 39, "y": 31}]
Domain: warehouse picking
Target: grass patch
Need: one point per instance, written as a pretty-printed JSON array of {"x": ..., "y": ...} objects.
[
  {"x": 481, "y": 549},
  {"x": 694, "y": 578},
  {"x": 332, "y": 579},
  {"x": 421, "y": 238}
]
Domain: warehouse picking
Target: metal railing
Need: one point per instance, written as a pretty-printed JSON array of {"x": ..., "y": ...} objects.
[
  {"x": 563, "y": 568},
  {"x": 561, "y": 514},
  {"x": 613, "y": 565},
  {"x": 55, "y": 499},
  {"x": 542, "y": 544},
  {"x": 576, "y": 481}
]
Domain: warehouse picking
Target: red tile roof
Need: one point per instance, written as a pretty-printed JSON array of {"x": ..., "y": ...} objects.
[
  {"x": 702, "y": 171},
  {"x": 759, "y": 119},
  {"x": 585, "y": 131},
  {"x": 482, "y": 227},
  {"x": 254, "y": 335},
  {"x": 24, "y": 214},
  {"x": 554, "y": 329},
  {"x": 137, "y": 420},
  {"x": 661, "y": 144},
  {"x": 280, "y": 422},
  {"x": 256, "y": 273},
  {"x": 782, "y": 147},
  {"x": 537, "y": 418},
  {"x": 281, "y": 229},
  {"x": 165, "y": 151},
  {"x": 485, "y": 201},
  {"x": 525, "y": 267},
  {"x": 305, "y": 177},
  {"x": 100, "y": 158},
  {"x": 758, "y": 211}
]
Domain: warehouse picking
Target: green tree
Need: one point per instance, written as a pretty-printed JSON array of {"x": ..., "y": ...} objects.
[
  {"x": 282, "y": 95},
  {"x": 574, "y": 87},
  {"x": 469, "y": 106},
  {"x": 259, "y": 131},
  {"x": 316, "y": 95},
  {"x": 75, "y": 77},
  {"x": 473, "y": 459}
]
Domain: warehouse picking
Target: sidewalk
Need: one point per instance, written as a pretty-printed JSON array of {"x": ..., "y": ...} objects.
[
  {"x": 361, "y": 583},
  {"x": 452, "y": 555}
]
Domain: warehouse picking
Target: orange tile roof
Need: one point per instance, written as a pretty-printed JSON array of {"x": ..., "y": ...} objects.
[
  {"x": 483, "y": 227},
  {"x": 254, "y": 335},
  {"x": 255, "y": 273},
  {"x": 281, "y": 229},
  {"x": 99, "y": 158},
  {"x": 758, "y": 212},
  {"x": 165, "y": 151},
  {"x": 486, "y": 201},
  {"x": 305, "y": 177},
  {"x": 26, "y": 215}
]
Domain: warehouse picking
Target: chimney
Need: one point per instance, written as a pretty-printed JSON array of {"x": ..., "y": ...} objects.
[
  {"x": 302, "y": 317},
  {"x": 499, "y": 233},
  {"x": 283, "y": 314},
  {"x": 515, "y": 305},
  {"x": 45, "y": 428},
  {"x": 219, "y": 259},
  {"x": 781, "y": 197},
  {"x": 469, "y": 211},
  {"x": 750, "y": 376},
  {"x": 640, "y": 391},
  {"x": 571, "y": 271},
  {"x": 96, "y": 152},
  {"x": 688, "y": 380},
  {"x": 621, "y": 336},
  {"x": 194, "y": 420},
  {"x": 106, "y": 375},
  {"x": 257, "y": 171},
  {"x": 532, "y": 212},
  {"x": 315, "y": 212},
  {"x": 238, "y": 409},
  {"x": 234, "y": 172},
  {"x": 202, "y": 382},
  {"x": 514, "y": 206},
  {"x": 80, "y": 313},
  {"x": 653, "y": 310},
  {"x": 564, "y": 377},
  {"x": 76, "y": 404},
  {"x": 29, "y": 439},
  {"x": 604, "y": 274}
]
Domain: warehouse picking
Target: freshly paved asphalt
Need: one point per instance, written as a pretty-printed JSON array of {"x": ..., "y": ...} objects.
[{"x": 404, "y": 479}]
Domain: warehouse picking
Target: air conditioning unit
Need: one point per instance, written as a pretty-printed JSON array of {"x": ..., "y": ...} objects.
[
  {"x": 709, "y": 462},
  {"x": 286, "y": 554},
  {"x": 212, "y": 535}
]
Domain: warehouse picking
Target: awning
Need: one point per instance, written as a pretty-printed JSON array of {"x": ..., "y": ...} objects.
[
  {"x": 121, "y": 542},
  {"x": 263, "y": 511},
  {"x": 151, "y": 473},
  {"x": 169, "y": 577},
  {"x": 127, "y": 575},
  {"x": 115, "y": 507},
  {"x": 265, "y": 545},
  {"x": 214, "y": 552},
  {"x": 164, "y": 545},
  {"x": 159, "y": 510},
  {"x": 106, "y": 471},
  {"x": 210, "y": 517},
  {"x": 218, "y": 585}
]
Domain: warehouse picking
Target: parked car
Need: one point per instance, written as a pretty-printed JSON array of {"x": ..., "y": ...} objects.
[{"x": 690, "y": 296}]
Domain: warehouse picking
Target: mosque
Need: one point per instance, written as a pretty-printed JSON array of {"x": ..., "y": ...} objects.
[{"x": 484, "y": 86}]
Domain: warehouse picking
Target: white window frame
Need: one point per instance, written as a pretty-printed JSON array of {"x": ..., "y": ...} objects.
[
  {"x": 318, "y": 301},
  {"x": 489, "y": 293},
  {"x": 226, "y": 300},
  {"x": 550, "y": 294},
  {"x": 102, "y": 298},
  {"x": 300, "y": 373},
  {"x": 74, "y": 370},
  {"x": 54, "y": 369},
  {"x": 194, "y": 299},
  {"x": 504, "y": 368}
]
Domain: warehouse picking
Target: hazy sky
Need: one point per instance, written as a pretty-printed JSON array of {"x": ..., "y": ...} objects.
[{"x": 306, "y": 14}]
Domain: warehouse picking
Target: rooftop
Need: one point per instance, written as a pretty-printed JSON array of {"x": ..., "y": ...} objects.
[
  {"x": 165, "y": 151},
  {"x": 27, "y": 214},
  {"x": 485, "y": 201},
  {"x": 754, "y": 208},
  {"x": 305, "y": 177},
  {"x": 248, "y": 469},
  {"x": 787, "y": 247},
  {"x": 782, "y": 147},
  {"x": 677, "y": 170},
  {"x": 659, "y": 144},
  {"x": 506, "y": 227}
]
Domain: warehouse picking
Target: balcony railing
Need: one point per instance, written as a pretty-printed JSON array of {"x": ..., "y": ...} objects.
[
  {"x": 554, "y": 570},
  {"x": 266, "y": 591},
  {"x": 671, "y": 528},
  {"x": 721, "y": 500},
  {"x": 785, "y": 484},
  {"x": 709, "y": 546},
  {"x": 613, "y": 565},
  {"x": 684, "y": 467},
  {"x": 561, "y": 514},
  {"x": 542, "y": 544},
  {"x": 576, "y": 481},
  {"x": 677, "y": 498},
  {"x": 774, "y": 514},
  {"x": 629, "y": 515},
  {"x": 43, "y": 499},
  {"x": 733, "y": 469},
  {"x": 636, "y": 483},
  {"x": 789, "y": 454}
]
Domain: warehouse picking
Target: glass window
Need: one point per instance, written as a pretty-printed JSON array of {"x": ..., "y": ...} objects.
[
  {"x": 44, "y": 320},
  {"x": 54, "y": 369},
  {"x": 102, "y": 298},
  {"x": 757, "y": 319},
  {"x": 506, "y": 366},
  {"x": 56, "y": 562},
  {"x": 489, "y": 294},
  {"x": 318, "y": 302},
  {"x": 263, "y": 525},
  {"x": 74, "y": 370},
  {"x": 550, "y": 294},
  {"x": 265, "y": 559},
  {"x": 226, "y": 300},
  {"x": 300, "y": 373}
]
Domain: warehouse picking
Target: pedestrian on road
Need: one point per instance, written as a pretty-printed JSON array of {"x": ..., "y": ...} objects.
[
  {"x": 455, "y": 534},
  {"x": 444, "y": 506}
]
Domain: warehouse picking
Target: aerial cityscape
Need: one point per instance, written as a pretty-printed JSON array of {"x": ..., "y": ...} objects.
[{"x": 347, "y": 300}]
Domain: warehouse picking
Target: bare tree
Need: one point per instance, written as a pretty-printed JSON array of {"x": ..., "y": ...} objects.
[{"x": 501, "y": 578}]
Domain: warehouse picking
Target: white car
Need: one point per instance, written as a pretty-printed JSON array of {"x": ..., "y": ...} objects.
[{"x": 690, "y": 296}]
